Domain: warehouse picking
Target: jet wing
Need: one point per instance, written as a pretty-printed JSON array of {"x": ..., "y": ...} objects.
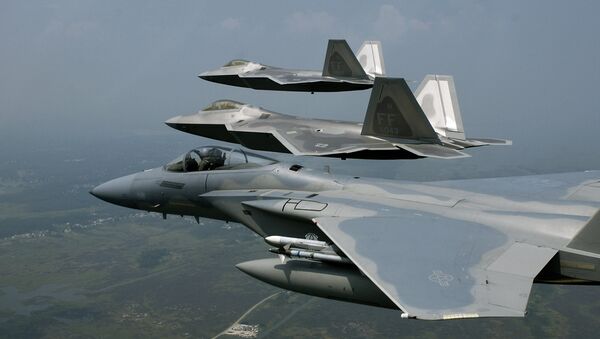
[
  {"x": 327, "y": 138},
  {"x": 287, "y": 77},
  {"x": 309, "y": 139},
  {"x": 284, "y": 77},
  {"x": 269, "y": 131},
  {"x": 292, "y": 78},
  {"x": 438, "y": 268},
  {"x": 570, "y": 186}
]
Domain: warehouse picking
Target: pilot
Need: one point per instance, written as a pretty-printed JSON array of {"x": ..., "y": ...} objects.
[
  {"x": 211, "y": 158},
  {"x": 191, "y": 165}
]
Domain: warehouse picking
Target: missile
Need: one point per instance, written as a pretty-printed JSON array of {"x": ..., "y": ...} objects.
[
  {"x": 326, "y": 257},
  {"x": 279, "y": 241}
]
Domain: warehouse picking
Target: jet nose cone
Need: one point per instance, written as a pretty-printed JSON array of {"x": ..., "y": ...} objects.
[
  {"x": 174, "y": 122},
  {"x": 116, "y": 191},
  {"x": 206, "y": 75},
  {"x": 185, "y": 123}
]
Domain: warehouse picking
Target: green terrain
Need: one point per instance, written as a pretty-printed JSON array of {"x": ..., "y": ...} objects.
[{"x": 75, "y": 267}]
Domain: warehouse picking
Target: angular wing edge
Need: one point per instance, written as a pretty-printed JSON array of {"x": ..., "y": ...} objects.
[
  {"x": 490, "y": 142},
  {"x": 497, "y": 284},
  {"x": 588, "y": 238},
  {"x": 421, "y": 150},
  {"x": 304, "y": 152},
  {"x": 433, "y": 151}
]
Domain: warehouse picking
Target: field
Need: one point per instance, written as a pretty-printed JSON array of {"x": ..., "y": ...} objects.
[{"x": 75, "y": 267}]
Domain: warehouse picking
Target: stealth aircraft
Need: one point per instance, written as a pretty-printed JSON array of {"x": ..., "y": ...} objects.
[
  {"x": 342, "y": 71},
  {"x": 398, "y": 125}
]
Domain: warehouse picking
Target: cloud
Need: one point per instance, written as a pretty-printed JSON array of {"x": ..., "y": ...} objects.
[
  {"x": 390, "y": 23},
  {"x": 230, "y": 23},
  {"x": 309, "y": 22}
]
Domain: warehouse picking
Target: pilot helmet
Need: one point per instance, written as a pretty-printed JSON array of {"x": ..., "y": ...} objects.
[{"x": 210, "y": 152}]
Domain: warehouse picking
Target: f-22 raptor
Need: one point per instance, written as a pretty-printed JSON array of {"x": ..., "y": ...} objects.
[
  {"x": 398, "y": 125},
  {"x": 342, "y": 71},
  {"x": 438, "y": 250}
]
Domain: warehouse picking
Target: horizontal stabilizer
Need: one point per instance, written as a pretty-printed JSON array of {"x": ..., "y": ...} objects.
[
  {"x": 434, "y": 151},
  {"x": 489, "y": 142}
]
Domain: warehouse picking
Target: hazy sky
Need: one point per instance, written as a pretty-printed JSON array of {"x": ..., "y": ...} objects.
[{"x": 524, "y": 70}]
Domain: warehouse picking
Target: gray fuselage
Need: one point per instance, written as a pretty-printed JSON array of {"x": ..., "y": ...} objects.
[{"x": 284, "y": 199}]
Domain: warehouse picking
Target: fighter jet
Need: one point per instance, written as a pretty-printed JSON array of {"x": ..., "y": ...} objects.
[
  {"x": 342, "y": 71},
  {"x": 437, "y": 250},
  {"x": 398, "y": 125}
]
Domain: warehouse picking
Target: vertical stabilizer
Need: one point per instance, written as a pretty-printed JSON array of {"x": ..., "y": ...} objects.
[
  {"x": 393, "y": 112},
  {"x": 370, "y": 56},
  {"x": 341, "y": 62},
  {"x": 437, "y": 96}
]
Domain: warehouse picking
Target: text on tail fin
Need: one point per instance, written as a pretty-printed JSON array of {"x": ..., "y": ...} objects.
[
  {"x": 394, "y": 112},
  {"x": 370, "y": 56},
  {"x": 341, "y": 62}
]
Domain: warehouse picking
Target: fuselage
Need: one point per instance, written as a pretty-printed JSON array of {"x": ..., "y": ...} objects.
[
  {"x": 261, "y": 77},
  {"x": 213, "y": 194},
  {"x": 279, "y": 199},
  {"x": 220, "y": 194}
]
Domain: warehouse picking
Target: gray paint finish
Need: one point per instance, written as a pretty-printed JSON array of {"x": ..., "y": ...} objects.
[
  {"x": 396, "y": 126},
  {"x": 439, "y": 250},
  {"x": 342, "y": 71},
  {"x": 422, "y": 262}
]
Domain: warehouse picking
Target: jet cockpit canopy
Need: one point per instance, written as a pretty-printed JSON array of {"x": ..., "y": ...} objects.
[
  {"x": 242, "y": 66},
  {"x": 221, "y": 105},
  {"x": 237, "y": 62},
  {"x": 209, "y": 158}
]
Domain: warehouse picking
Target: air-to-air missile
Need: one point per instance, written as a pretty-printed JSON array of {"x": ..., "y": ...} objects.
[
  {"x": 305, "y": 248},
  {"x": 281, "y": 242}
]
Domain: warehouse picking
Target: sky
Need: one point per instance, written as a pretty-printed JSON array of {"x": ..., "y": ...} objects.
[{"x": 80, "y": 69}]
